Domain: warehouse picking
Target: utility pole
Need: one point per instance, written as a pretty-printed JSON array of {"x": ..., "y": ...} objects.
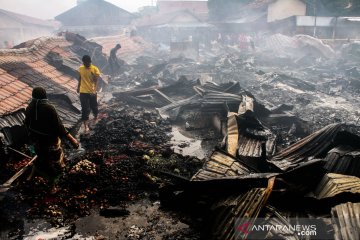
[{"x": 315, "y": 13}]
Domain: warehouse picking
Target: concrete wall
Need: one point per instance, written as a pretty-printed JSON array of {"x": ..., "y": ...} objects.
[{"x": 285, "y": 8}]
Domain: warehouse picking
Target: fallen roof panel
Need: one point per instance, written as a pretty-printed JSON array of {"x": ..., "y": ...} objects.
[
  {"x": 15, "y": 119},
  {"x": 233, "y": 211},
  {"x": 220, "y": 165},
  {"x": 310, "y": 147},
  {"x": 343, "y": 160},
  {"x": 346, "y": 221},
  {"x": 333, "y": 184}
]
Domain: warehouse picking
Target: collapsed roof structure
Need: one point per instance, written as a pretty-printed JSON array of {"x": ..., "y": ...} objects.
[
  {"x": 51, "y": 63},
  {"x": 261, "y": 167}
]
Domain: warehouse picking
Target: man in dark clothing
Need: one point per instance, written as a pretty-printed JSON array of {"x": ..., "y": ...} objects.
[
  {"x": 45, "y": 132},
  {"x": 114, "y": 61}
]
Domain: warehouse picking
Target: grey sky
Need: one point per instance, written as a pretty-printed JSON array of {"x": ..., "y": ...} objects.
[{"x": 48, "y": 9}]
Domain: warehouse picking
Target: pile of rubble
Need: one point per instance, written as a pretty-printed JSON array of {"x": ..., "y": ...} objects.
[
  {"x": 277, "y": 148},
  {"x": 242, "y": 183},
  {"x": 319, "y": 83},
  {"x": 125, "y": 151}
]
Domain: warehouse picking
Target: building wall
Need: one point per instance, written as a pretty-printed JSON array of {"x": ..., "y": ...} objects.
[
  {"x": 285, "y": 8},
  {"x": 10, "y": 37}
]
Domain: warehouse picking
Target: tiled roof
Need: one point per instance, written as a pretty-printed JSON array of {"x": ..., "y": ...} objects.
[
  {"x": 193, "y": 6},
  {"x": 14, "y": 94},
  {"x": 24, "y": 68},
  {"x": 95, "y": 12}
]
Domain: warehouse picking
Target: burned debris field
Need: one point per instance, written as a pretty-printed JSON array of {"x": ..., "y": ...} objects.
[{"x": 205, "y": 129}]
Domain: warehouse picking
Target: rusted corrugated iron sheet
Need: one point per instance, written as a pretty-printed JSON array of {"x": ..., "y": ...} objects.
[
  {"x": 312, "y": 146},
  {"x": 333, "y": 184},
  {"x": 230, "y": 209},
  {"x": 346, "y": 221},
  {"x": 220, "y": 165},
  {"x": 343, "y": 160}
]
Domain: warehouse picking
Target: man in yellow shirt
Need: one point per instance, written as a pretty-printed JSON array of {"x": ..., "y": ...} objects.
[{"x": 88, "y": 79}]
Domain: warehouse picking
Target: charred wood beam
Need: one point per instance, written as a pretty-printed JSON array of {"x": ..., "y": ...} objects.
[{"x": 166, "y": 98}]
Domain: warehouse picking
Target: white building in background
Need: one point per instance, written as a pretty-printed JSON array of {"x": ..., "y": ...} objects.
[{"x": 17, "y": 28}]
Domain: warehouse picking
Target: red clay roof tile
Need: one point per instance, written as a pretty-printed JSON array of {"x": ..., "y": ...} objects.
[{"x": 22, "y": 69}]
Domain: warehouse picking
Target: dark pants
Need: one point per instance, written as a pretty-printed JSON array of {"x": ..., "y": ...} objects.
[
  {"x": 88, "y": 102},
  {"x": 50, "y": 163}
]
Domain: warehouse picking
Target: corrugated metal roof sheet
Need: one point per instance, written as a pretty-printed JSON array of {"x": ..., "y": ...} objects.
[
  {"x": 14, "y": 119},
  {"x": 346, "y": 221},
  {"x": 279, "y": 43},
  {"x": 220, "y": 165},
  {"x": 231, "y": 209},
  {"x": 249, "y": 147},
  {"x": 343, "y": 160},
  {"x": 333, "y": 184},
  {"x": 310, "y": 147}
]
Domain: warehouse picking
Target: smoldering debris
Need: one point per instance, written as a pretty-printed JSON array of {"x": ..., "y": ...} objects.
[
  {"x": 273, "y": 125},
  {"x": 314, "y": 100},
  {"x": 127, "y": 158}
]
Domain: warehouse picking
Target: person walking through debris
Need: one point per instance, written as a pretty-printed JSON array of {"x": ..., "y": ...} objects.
[
  {"x": 87, "y": 87},
  {"x": 114, "y": 61},
  {"x": 45, "y": 132}
]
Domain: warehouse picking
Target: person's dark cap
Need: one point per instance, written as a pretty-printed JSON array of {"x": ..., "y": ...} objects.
[
  {"x": 86, "y": 59},
  {"x": 39, "y": 93},
  {"x": 118, "y": 45}
]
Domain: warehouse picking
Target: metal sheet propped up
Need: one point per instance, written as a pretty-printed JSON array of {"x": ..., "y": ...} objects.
[
  {"x": 232, "y": 134},
  {"x": 220, "y": 165}
]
